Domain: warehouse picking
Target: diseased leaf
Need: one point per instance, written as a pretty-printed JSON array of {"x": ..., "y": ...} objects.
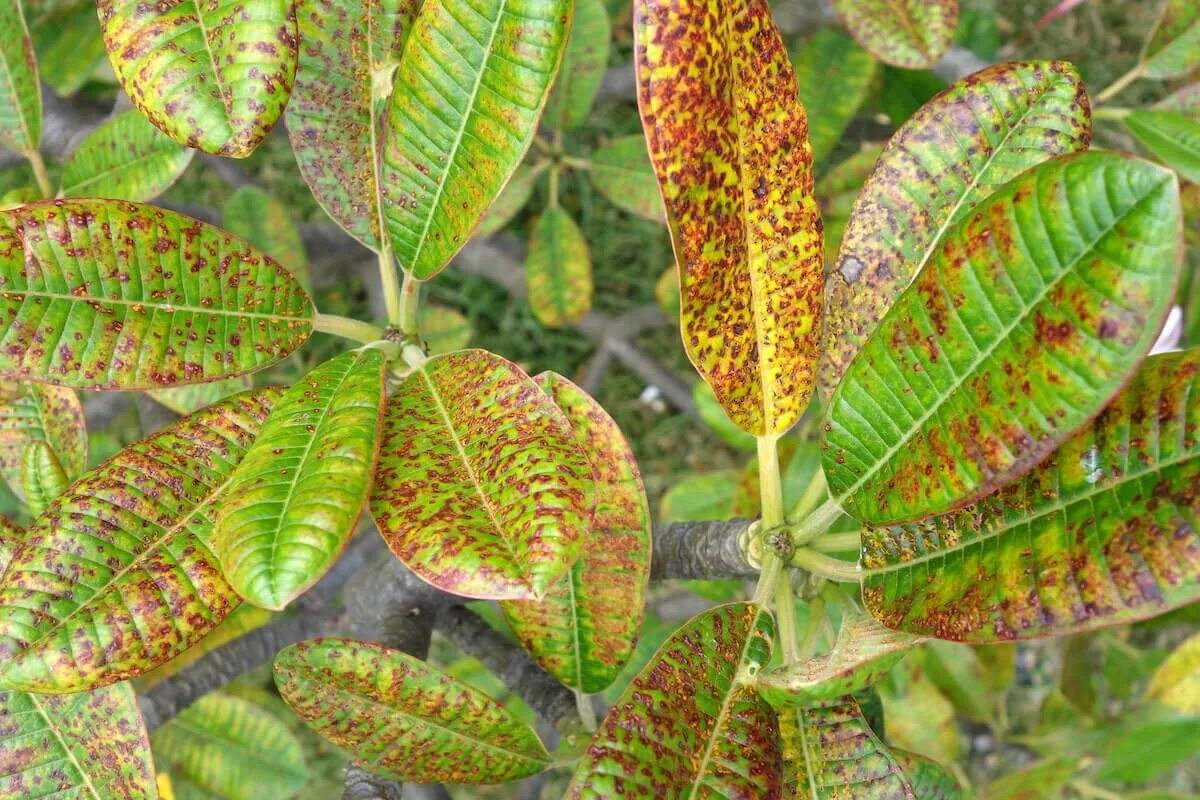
[
  {"x": 558, "y": 270},
  {"x": 105, "y": 294},
  {"x": 20, "y": 94},
  {"x": 834, "y": 76},
  {"x": 42, "y": 477},
  {"x": 508, "y": 204},
  {"x": 715, "y": 418},
  {"x": 186, "y": 399},
  {"x": 622, "y": 171},
  {"x": 691, "y": 724},
  {"x": 1101, "y": 532},
  {"x": 1176, "y": 682},
  {"x": 213, "y": 76},
  {"x": 31, "y": 412},
  {"x": 253, "y": 215},
  {"x": 126, "y": 158},
  {"x": 585, "y": 628},
  {"x": 481, "y": 489},
  {"x": 582, "y": 68},
  {"x": 1033, "y": 312},
  {"x": 443, "y": 329},
  {"x": 467, "y": 98},
  {"x": 90, "y": 745},
  {"x": 240, "y": 621},
  {"x": 1173, "y": 48},
  {"x": 117, "y": 576},
  {"x": 956, "y": 151},
  {"x": 1170, "y": 135},
  {"x": 929, "y": 779},
  {"x": 402, "y": 718},
  {"x": 904, "y": 33},
  {"x": 11, "y": 537},
  {"x": 729, "y": 141}
]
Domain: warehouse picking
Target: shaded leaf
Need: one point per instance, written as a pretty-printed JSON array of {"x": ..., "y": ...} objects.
[
  {"x": 31, "y": 412},
  {"x": 1043, "y": 779},
  {"x": 20, "y": 94},
  {"x": 402, "y": 718},
  {"x": 834, "y": 76},
  {"x": 904, "y": 33},
  {"x": 1145, "y": 751},
  {"x": 42, "y": 477},
  {"x": 1176, "y": 682},
  {"x": 929, "y": 779},
  {"x": 582, "y": 68},
  {"x": 919, "y": 717},
  {"x": 558, "y": 270},
  {"x": 1184, "y": 101},
  {"x": 512, "y": 199},
  {"x": 715, "y": 418},
  {"x": 105, "y": 294},
  {"x": 240, "y": 621},
  {"x": 11, "y": 537},
  {"x": 1033, "y": 312},
  {"x": 666, "y": 294},
  {"x": 1170, "y": 135},
  {"x": 739, "y": 194},
  {"x": 622, "y": 171},
  {"x": 958, "y": 672},
  {"x": 443, "y": 329},
  {"x": 117, "y": 576},
  {"x": 904, "y": 91},
  {"x": 700, "y": 497},
  {"x": 186, "y": 399},
  {"x": 252, "y": 214},
  {"x": 1173, "y": 47},
  {"x": 126, "y": 158},
  {"x": 67, "y": 41},
  {"x": 481, "y": 489},
  {"x": 214, "y": 76}
]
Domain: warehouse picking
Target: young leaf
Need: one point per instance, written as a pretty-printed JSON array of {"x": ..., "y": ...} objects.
[
  {"x": 20, "y": 94},
  {"x": 90, "y": 745},
  {"x": 1033, "y": 312},
  {"x": 512, "y": 199},
  {"x": 729, "y": 141},
  {"x": 700, "y": 497},
  {"x": 126, "y": 158},
  {"x": 1173, "y": 48},
  {"x": 454, "y": 134},
  {"x": 294, "y": 499},
  {"x": 912, "y": 34},
  {"x": 402, "y": 718},
  {"x": 582, "y": 69},
  {"x": 691, "y": 723},
  {"x": 929, "y": 779},
  {"x": 252, "y": 214},
  {"x": 117, "y": 576},
  {"x": 105, "y": 294},
  {"x": 834, "y": 76},
  {"x": 1176, "y": 682},
  {"x": 1104, "y": 531},
  {"x": 31, "y": 412},
  {"x": 1173, "y": 137},
  {"x": 959, "y": 148},
  {"x": 585, "y": 628},
  {"x": 213, "y": 76},
  {"x": 622, "y": 171},
  {"x": 42, "y": 477},
  {"x": 558, "y": 270},
  {"x": 481, "y": 489}
]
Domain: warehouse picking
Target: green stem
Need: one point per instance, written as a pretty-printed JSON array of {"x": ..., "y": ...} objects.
[
  {"x": 817, "y": 522},
  {"x": 587, "y": 714},
  {"x": 347, "y": 328},
  {"x": 785, "y": 613},
  {"x": 410, "y": 300},
  {"x": 820, "y": 564},
  {"x": 837, "y": 542},
  {"x": 577, "y": 163},
  {"x": 1120, "y": 83},
  {"x": 1114, "y": 113},
  {"x": 554, "y": 174},
  {"x": 816, "y": 617},
  {"x": 814, "y": 493},
  {"x": 387, "y": 276},
  {"x": 39, "y": 174}
]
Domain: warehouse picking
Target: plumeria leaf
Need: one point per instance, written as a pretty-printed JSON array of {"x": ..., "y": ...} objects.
[
  {"x": 582, "y": 68},
  {"x": 31, "y": 412},
  {"x": 1173, "y": 48},
  {"x": 514, "y": 197},
  {"x": 929, "y": 779},
  {"x": 1185, "y": 101},
  {"x": 558, "y": 270},
  {"x": 186, "y": 399},
  {"x": 1170, "y": 135},
  {"x": 240, "y": 621},
  {"x": 67, "y": 41},
  {"x": 126, "y": 158},
  {"x": 831, "y": 104},
  {"x": 1176, "y": 682},
  {"x": 622, "y": 171},
  {"x": 443, "y": 330},
  {"x": 42, "y": 477},
  {"x": 252, "y": 214},
  {"x": 904, "y": 33},
  {"x": 20, "y": 94}
]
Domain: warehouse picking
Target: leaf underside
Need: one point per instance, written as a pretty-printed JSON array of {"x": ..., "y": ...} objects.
[
  {"x": 32, "y": 412},
  {"x": 912, "y": 34},
  {"x": 126, "y": 158}
]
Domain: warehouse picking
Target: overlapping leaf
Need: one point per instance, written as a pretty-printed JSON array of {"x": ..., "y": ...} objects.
[
  {"x": 1170, "y": 135},
  {"x": 904, "y": 33},
  {"x": 186, "y": 399},
  {"x": 126, "y": 158},
  {"x": 443, "y": 329},
  {"x": 42, "y": 477},
  {"x": 582, "y": 69},
  {"x": 481, "y": 489},
  {"x": 1102, "y": 532},
  {"x": 90, "y": 746},
  {"x": 240, "y": 621},
  {"x": 834, "y": 76},
  {"x": 959, "y": 148},
  {"x": 67, "y": 41},
  {"x": 296, "y": 495},
  {"x": 729, "y": 141},
  {"x": 585, "y": 628},
  {"x": 1173, "y": 48},
  {"x": 117, "y": 576},
  {"x": 622, "y": 171},
  {"x": 31, "y": 412},
  {"x": 214, "y": 76},
  {"x": 1034, "y": 311},
  {"x": 402, "y": 718},
  {"x": 11, "y": 536},
  {"x": 929, "y": 779},
  {"x": 511, "y": 200},
  {"x": 103, "y": 294},
  {"x": 467, "y": 97},
  {"x": 558, "y": 270},
  {"x": 20, "y": 95},
  {"x": 691, "y": 724},
  {"x": 252, "y": 214}
]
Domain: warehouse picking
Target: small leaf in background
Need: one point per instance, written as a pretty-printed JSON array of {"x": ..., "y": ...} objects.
[
  {"x": 20, "y": 94},
  {"x": 1044, "y": 779},
  {"x": 186, "y": 399},
  {"x": 718, "y": 421},
  {"x": 116, "y": 577},
  {"x": 929, "y": 779},
  {"x": 904, "y": 91},
  {"x": 126, "y": 158},
  {"x": 1170, "y": 135},
  {"x": 253, "y": 215},
  {"x": 801, "y": 459},
  {"x": 442, "y": 329},
  {"x": 227, "y": 747},
  {"x": 958, "y": 672},
  {"x": 402, "y": 718},
  {"x": 42, "y": 477},
  {"x": 666, "y": 294},
  {"x": 1145, "y": 751},
  {"x": 691, "y": 723},
  {"x": 835, "y": 76},
  {"x": 919, "y": 717},
  {"x": 700, "y": 497},
  {"x": 32, "y": 412},
  {"x": 1173, "y": 48},
  {"x": 295, "y": 497},
  {"x": 89, "y": 745},
  {"x": 622, "y": 171},
  {"x": 144, "y": 299},
  {"x": 1184, "y": 101},
  {"x": 215, "y": 77},
  {"x": 512, "y": 199},
  {"x": 481, "y": 489},
  {"x": 70, "y": 49},
  {"x": 1078, "y": 677},
  {"x": 838, "y": 189},
  {"x": 558, "y": 270},
  {"x": 1176, "y": 682},
  {"x": 904, "y": 33},
  {"x": 582, "y": 68}
]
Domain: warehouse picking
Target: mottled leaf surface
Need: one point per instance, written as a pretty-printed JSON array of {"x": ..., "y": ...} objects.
[
  {"x": 467, "y": 98},
  {"x": 1170, "y": 135},
  {"x": 118, "y": 576},
  {"x": 1173, "y": 48},
  {"x": 558, "y": 270},
  {"x": 1102, "y": 532},
  {"x": 834, "y": 76},
  {"x": 960, "y": 147},
  {"x": 213, "y": 75},
  {"x": 929, "y": 779},
  {"x": 20, "y": 94},
  {"x": 1176, "y": 682},
  {"x": 32, "y": 412},
  {"x": 186, "y": 399},
  {"x": 101, "y": 294},
  {"x": 729, "y": 143},
  {"x": 622, "y": 171},
  {"x": 912, "y": 34},
  {"x": 481, "y": 488},
  {"x": 240, "y": 621},
  {"x": 402, "y": 718},
  {"x": 11, "y": 536},
  {"x": 126, "y": 158},
  {"x": 582, "y": 68},
  {"x": 252, "y": 214},
  {"x": 42, "y": 477},
  {"x": 1035, "y": 310},
  {"x": 691, "y": 724}
]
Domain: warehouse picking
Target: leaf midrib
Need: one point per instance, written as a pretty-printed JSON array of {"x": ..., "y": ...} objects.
[
  {"x": 87, "y": 780},
  {"x": 76, "y": 188},
  {"x": 20, "y": 112},
  {"x": 8, "y": 294}
]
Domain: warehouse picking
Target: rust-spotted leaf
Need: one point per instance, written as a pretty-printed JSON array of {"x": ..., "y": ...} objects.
[
  {"x": 558, "y": 270},
  {"x": 32, "y": 412},
  {"x": 912, "y": 34},
  {"x": 729, "y": 143},
  {"x": 193, "y": 397},
  {"x": 1173, "y": 47},
  {"x": 126, "y": 158},
  {"x": 252, "y": 214},
  {"x": 20, "y": 94}
]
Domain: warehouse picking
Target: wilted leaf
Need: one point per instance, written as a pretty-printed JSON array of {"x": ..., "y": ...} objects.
[
  {"x": 1170, "y": 135},
  {"x": 582, "y": 68},
  {"x": 20, "y": 94},
  {"x": 42, "y": 477},
  {"x": 1176, "y": 682},
  {"x": 186, "y": 399},
  {"x": 905, "y": 33},
  {"x": 1173, "y": 48},
  {"x": 31, "y": 412},
  {"x": 126, "y": 158},
  {"x": 558, "y": 270},
  {"x": 834, "y": 76},
  {"x": 929, "y": 779},
  {"x": 1043, "y": 779},
  {"x": 105, "y": 294},
  {"x": 253, "y": 215},
  {"x": 443, "y": 329},
  {"x": 622, "y": 171},
  {"x": 512, "y": 199}
]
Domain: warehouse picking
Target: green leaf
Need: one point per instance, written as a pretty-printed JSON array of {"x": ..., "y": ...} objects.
[
  {"x": 295, "y": 498},
  {"x": 622, "y": 171},
  {"x": 1176, "y": 682},
  {"x": 253, "y": 215},
  {"x": 691, "y": 724},
  {"x": 67, "y": 41},
  {"x": 1170, "y": 135},
  {"x": 957, "y": 671},
  {"x": 1173, "y": 48},
  {"x": 1033, "y": 312},
  {"x": 468, "y": 94},
  {"x": 105, "y": 294},
  {"x": 512, "y": 199},
  {"x": 716, "y": 419},
  {"x": 1043, "y": 779},
  {"x": 481, "y": 489},
  {"x": 442, "y": 329},
  {"x": 585, "y": 628},
  {"x": 212, "y": 76},
  {"x": 117, "y": 576},
  {"x": 240, "y": 621},
  {"x": 1184, "y": 101},
  {"x": 835, "y": 77},
  {"x": 126, "y": 158},
  {"x": 904, "y": 33},
  {"x": 700, "y": 497},
  {"x": 232, "y": 749},
  {"x": 186, "y": 399},
  {"x": 919, "y": 717},
  {"x": 666, "y": 294},
  {"x": 974, "y": 137},
  {"x": 90, "y": 746},
  {"x": 904, "y": 91},
  {"x": 11, "y": 538},
  {"x": 402, "y": 718},
  {"x": 1102, "y": 532},
  {"x": 929, "y": 779},
  {"x": 1145, "y": 751},
  {"x": 31, "y": 412},
  {"x": 42, "y": 477},
  {"x": 582, "y": 69},
  {"x": 558, "y": 270},
  {"x": 20, "y": 94}
]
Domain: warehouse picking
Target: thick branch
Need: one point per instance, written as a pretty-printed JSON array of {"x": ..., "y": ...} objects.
[{"x": 706, "y": 550}]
